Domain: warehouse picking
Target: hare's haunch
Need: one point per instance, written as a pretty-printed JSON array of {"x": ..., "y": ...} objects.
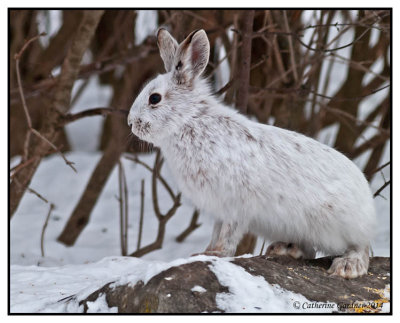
[{"x": 252, "y": 177}]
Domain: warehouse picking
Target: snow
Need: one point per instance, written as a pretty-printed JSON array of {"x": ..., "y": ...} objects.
[
  {"x": 146, "y": 24},
  {"x": 253, "y": 294},
  {"x": 100, "y": 306},
  {"x": 198, "y": 289},
  {"x": 37, "y": 289}
]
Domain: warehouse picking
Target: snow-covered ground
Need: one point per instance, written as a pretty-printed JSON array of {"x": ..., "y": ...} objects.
[{"x": 39, "y": 283}]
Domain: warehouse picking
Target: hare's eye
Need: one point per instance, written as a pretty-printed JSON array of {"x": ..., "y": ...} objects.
[{"x": 154, "y": 98}]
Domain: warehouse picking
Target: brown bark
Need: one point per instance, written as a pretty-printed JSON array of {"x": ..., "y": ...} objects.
[
  {"x": 23, "y": 26},
  {"x": 60, "y": 103},
  {"x": 374, "y": 159},
  {"x": 117, "y": 144},
  {"x": 245, "y": 61},
  {"x": 81, "y": 214},
  {"x": 124, "y": 93}
]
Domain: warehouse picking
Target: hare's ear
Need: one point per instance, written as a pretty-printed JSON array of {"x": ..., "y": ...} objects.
[
  {"x": 192, "y": 56},
  {"x": 167, "y": 45}
]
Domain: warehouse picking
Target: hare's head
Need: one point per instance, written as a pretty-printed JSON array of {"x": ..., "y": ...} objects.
[{"x": 170, "y": 99}]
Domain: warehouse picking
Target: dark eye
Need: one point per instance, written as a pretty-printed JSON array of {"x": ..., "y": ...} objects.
[{"x": 155, "y": 98}]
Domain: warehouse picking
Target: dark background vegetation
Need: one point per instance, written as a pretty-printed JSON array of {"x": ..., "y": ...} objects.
[{"x": 275, "y": 76}]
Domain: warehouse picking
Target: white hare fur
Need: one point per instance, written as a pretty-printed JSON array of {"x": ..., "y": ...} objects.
[{"x": 252, "y": 177}]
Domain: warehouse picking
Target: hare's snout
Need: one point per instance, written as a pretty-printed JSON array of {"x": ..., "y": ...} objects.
[
  {"x": 129, "y": 121},
  {"x": 139, "y": 127}
]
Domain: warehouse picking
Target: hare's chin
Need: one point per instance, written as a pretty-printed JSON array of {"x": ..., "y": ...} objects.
[{"x": 141, "y": 134}]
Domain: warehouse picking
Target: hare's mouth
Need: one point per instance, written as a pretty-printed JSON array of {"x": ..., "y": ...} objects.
[{"x": 141, "y": 128}]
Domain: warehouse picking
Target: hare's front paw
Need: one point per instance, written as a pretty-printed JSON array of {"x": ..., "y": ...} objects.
[
  {"x": 280, "y": 248},
  {"x": 352, "y": 264},
  {"x": 348, "y": 267}
]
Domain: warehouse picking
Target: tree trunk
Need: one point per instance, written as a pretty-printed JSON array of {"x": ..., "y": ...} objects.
[{"x": 59, "y": 105}]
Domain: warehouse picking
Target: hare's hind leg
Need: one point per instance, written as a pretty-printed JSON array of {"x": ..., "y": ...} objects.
[
  {"x": 293, "y": 250},
  {"x": 215, "y": 234},
  {"x": 225, "y": 238},
  {"x": 352, "y": 264}
]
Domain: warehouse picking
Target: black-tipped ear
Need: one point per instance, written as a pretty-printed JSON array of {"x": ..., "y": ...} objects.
[
  {"x": 167, "y": 45},
  {"x": 192, "y": 55}
]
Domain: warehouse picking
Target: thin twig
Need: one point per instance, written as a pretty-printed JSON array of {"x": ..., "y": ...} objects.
[
  {"x": 336, "y": 25},
  {"x": 121, "y": 212},
  {"x": 141, "y": 215},
  {"x": 123, "y": 202},
  {"x": 44, "y": 228},
  {"x": 69, "y": 163},
  {"x": 291, "y": 49},
  {"x": 359, "y": 65},
  {"x": 162, "y": 180},
  {"x": 262, "y": 248},
  {"x": 30, "y": 190},
  {"x": 14, "y": 170},
  {"x": 380, "y": 167},
  {"x": 353, "y": 118},
  {"x": 154, "y": 175},
  {"x": 17, "y": 58},
  {"x": 93, "y": 112},
  {"x": 88, "y": 70},
  {"x": 378, "y": 192},
  {"x": 162, "y": 218},
  {"x": 304, "y": 90},
  {"x": 192, "y": 226},
  {"x": 21, "y": 165},
  {"x": 333, "y": 49},
  {"x": 245, "y": 62},
  {"x": 21, "y": 92}
]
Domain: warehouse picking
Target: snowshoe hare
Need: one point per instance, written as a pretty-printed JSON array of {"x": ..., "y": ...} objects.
[{"x": 252, "y": 177}]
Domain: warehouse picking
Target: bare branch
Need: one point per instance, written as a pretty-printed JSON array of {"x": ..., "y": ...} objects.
[
  {"x": 374, "y": 142},
  {"x": 244, "y": 71},
  {"x": 69, "y": 163},
  {"x": 71, "y": 64},
  {"x": 378, "y": 192},
  {"x": 291, "y": 50},
  {"x": 44, "y": 228},
  {"x": 262, "y": 248},
  {"x": 123, "y": 208},
  {"x": 333, "y": 49},
  {"x": 18, "y": 55},
  {"x": 192, "y": 226},
  {"x": 160, "y": 177},
  {"x": 88, "y": 70},
  {"x": 28, "y": 118},
  {"x": 68, "y": 118},
  {"x": 353, "y": 118},
  {"x": 60, "y": 103},
  {"x": 156, "y": 171},
  {"x": 31, "y": 190},
  {"x": 141, "y": 215},
  {"x": 304, "y": 90},
  {"x": 162, "y": 219},
  {"x": 381, "y": 167}
]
